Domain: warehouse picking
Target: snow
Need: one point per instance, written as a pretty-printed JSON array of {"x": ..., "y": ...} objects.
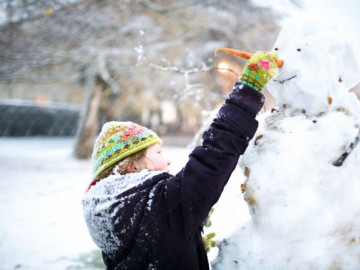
[
  {"x": 102, "y": 198},
  {"x": 305, "y": 212},
  {"x": 301, "y": 212},
  {"x": 40, "y": 197},
  {"x": 42, "y": 224},
  {"x": 344, "y": 14},
  {"x": 329, "y": 59}
]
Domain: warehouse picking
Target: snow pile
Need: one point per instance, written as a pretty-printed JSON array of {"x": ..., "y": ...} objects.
[
  {"x": 305, "y": 212},
  {"x": 318, "y": 66},
  {"x": 42, "y": 225}
]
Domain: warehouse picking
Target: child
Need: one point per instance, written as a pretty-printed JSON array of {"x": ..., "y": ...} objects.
[{"x": 142, "y": 217}]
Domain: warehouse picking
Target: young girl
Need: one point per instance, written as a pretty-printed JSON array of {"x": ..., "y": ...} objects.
[{"x": 139, "y": 215}]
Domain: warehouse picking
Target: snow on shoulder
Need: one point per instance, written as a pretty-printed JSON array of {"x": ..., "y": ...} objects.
[
  {"x": 305, "y": 212},
  {"x": 110, "y": 223}
]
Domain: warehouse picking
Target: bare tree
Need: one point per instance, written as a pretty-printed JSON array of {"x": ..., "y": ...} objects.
[{"x": 123, "y": 49}]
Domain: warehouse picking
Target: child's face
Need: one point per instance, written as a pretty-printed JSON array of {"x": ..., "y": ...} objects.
[{"x": 155, "y": 160}]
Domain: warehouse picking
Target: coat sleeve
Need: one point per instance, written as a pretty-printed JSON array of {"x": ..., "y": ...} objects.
[{"x": 197, "y": 187}]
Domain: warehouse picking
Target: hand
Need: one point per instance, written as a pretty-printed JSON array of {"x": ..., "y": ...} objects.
[
  {"x": 208, "y": 239},
  {"x": 259, "y": 70},
  {"x": 208, "y": 242}
]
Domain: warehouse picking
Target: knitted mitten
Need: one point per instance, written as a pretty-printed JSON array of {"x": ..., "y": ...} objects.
[
  {"x": 208, "y": 239},
  {"x": 259, "y": 70},
  {"x": 208, "y": 242}
]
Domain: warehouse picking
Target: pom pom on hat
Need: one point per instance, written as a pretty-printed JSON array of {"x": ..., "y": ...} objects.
[{"x": 118, "y": 140}]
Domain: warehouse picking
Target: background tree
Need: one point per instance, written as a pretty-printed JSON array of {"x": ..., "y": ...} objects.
[{"x": 130, "y": 55}]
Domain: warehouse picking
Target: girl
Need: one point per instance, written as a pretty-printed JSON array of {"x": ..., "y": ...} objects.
[{"x": 139, "y": 215}]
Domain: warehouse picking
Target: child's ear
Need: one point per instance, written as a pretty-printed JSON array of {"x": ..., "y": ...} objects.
[{"x": 133, "y": 166}]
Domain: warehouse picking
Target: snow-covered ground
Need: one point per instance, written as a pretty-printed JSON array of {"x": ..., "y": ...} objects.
[
  {"x": 41, "y": 187},
  {"x": 42, "y": 184}
]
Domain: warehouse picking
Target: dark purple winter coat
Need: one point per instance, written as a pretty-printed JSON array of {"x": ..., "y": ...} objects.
[{"x": 152, "y": 220}]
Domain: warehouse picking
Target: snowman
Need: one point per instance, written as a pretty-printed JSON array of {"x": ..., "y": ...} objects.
[{"x": 302, "y": 194}]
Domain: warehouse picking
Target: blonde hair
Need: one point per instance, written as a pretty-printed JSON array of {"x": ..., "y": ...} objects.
[{"x": 122, "y": 166}]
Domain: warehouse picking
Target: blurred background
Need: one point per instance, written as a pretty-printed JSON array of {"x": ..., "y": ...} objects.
[{"x": 68, "y": 66}]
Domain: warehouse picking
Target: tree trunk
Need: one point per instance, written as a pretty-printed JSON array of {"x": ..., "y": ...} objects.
[{"x": 89, "y": 126}]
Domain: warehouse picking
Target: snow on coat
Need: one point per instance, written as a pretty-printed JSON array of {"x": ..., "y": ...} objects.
[{"x": 153, "y": 220}]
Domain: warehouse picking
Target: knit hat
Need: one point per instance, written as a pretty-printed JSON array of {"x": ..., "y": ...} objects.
[{"x": 118, "y": 140}]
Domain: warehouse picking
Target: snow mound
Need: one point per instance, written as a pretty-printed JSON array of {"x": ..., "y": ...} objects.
[
  {"x": 319, "y": 66},
  {"x": 305, "y": 212}
]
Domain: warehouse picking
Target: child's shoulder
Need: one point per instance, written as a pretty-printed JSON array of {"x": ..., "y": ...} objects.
[{"x": 117, "y": 183}]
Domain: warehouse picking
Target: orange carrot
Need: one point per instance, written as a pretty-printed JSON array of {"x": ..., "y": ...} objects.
[{"x": 246, "y": 55}]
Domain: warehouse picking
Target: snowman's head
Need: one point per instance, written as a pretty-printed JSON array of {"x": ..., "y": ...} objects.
[{"x": 319, "y": 65}]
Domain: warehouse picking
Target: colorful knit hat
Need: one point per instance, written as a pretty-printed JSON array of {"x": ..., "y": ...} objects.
[{"x": 118, "y": 140}]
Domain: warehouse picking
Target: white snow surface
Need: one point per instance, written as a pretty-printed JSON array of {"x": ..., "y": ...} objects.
[
  {"x": 42, "y": 185},
  {"x": 319, "y": 64},
  {"x": 42, "y": 225},
  {"x": 305, "y": 212}
]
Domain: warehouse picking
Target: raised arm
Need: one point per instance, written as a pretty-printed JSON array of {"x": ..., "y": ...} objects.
[{"x": 200, "y": 183}]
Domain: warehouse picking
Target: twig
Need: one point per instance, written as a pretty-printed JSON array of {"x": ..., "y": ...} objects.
[{"x": 348, "y": 150}]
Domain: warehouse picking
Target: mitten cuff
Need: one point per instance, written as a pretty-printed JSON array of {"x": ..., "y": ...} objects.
[{"x": 252, "y": 82}]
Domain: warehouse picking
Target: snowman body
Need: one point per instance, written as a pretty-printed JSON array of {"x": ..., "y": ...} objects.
[{"x": 305, "y": 212}]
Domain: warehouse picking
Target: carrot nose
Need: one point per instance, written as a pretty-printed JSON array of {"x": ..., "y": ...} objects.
[{"x": 246, "y": 55}]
